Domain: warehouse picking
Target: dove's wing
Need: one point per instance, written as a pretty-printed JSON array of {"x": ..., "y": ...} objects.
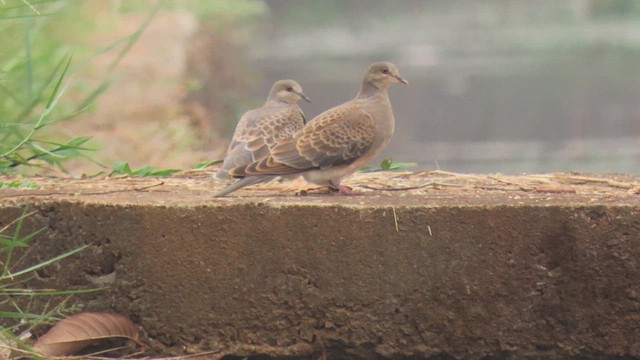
[
  {"x": 259, "y": 130},
  {"x": 336, "y": 137}
]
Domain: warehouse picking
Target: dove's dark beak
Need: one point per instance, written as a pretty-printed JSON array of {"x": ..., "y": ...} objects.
[
  {"x": 304, "y": 97},
  {"x": 401, "y": 80}
]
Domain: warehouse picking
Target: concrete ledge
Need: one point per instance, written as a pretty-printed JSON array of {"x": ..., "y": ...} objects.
[{"x": 451, "y": 267}]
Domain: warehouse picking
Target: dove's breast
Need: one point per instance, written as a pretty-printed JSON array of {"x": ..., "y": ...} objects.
[{"x": 379, "y": 107}]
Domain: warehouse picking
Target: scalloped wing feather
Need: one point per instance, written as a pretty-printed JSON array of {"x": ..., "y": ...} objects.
[
  {"x": 258, "y": 131},
  {"x": 336, "y": 137}
]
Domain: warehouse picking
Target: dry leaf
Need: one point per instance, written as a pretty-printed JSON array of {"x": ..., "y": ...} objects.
[{"x": 78, "y": 331}]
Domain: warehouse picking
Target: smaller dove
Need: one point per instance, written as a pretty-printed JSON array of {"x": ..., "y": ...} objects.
[
  {"x": 260, "y": 129},
  {"x": 334, "y": 144}
]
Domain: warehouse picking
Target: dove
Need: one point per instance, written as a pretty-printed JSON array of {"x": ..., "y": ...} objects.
[
  {"x": 334, "y": 144},
  {"x": 259, "y": 129}
]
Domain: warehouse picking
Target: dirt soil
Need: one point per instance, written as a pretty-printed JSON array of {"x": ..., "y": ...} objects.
[{"x": 428, "y": 265}]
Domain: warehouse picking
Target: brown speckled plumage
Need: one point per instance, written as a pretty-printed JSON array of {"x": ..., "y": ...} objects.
[
  {"x": 260, "y": 129},
  {"x": 335, "y": 143}
]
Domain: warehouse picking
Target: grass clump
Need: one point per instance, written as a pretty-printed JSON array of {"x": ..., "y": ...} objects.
[
  {"x": 35, "y": 73},
  {"x": 123, "y": 168},
  {"x": 16, "y": 300},
  {"x": 18, "y": 184},
  {"x": 33, "y": 78}
]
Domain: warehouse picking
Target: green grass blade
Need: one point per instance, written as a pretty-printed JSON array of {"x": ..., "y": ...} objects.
[
  {"x": 35, "y": 101},
  {"x": 164, "y": 173},
  {"x": 19, "y": 17},
  {"x": 206, "y": 164},
  {"x": 27, "y": 41},
  {"x": 11, "y": 95},
  {"x": 18, "y": 229},
  {"x": 10, "y": 244},
  {"x": 16, "y": 235},
  {"x": 48, "y": 292},
  {"x": 128, "y": 41},
  {"x": 43, "y": 264},
  {"x": 20, "y": 315},
  {"x": 89, "y": 99},
  {"x": 53, "y": 99},
  {"x": 30, "y": 236},
  {"x": 135, "y": 36},
  {"x": 54, "y": 94}
]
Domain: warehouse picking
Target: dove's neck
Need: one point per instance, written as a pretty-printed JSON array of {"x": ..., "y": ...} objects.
[
  {"x": 275, "y": 102},
  {"x": 368, "y": 90}
]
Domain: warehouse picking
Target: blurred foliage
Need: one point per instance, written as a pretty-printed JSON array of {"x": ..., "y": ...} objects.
[
  {"x": 17, "y": 300},
  {"x": 123, "y": 168},
  {"x": 35, "y": 72},
  {"x": 13, "y": 184},
  {"x": 388, "y": 165},
  {"x": 223, "y": 12},
  {"x": 205, "y": 164},
  {"x": 27, "y": 59}
]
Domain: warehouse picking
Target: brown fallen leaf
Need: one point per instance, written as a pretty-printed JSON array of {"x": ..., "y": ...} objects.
[{"x": 78, "y": 331}]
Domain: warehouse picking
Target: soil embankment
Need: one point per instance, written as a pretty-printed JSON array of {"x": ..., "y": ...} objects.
[{"x": 428, "y": 266}]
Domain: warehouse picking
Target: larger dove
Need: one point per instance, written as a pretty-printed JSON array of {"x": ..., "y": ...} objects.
[
  {"x": 335, "y": 143},
  {"x": 259, "y": 129}
]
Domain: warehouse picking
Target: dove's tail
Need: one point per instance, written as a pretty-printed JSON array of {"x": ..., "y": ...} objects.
[
  {"x": 221, "y": 175},
  {"x": 247, "y": 181}
]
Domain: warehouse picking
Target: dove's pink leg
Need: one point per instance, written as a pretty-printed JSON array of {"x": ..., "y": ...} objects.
[{"x": 344, "y": 189}]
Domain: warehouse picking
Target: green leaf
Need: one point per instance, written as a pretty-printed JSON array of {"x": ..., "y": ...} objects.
[
  {"x": 15, "y": 184},
  {"x": 122, "y": 168},
  {"x": 54, "y": 97},
  {"x": 20, "y": 315},
  {"x": 90, "y": 176},
  {"x": 401, "y": 165},
  {"x": 77, "y": 142},
  {"x": 11, "y": 243},
  {"x": 367, "y": 169},
  {"x": 145, "y": 171},
  {"x": 6, "y": 244},
  {"x": 388, "y": 165},
  {"x": 165, "y": 173},
  {"x": 206, "y": 164}
]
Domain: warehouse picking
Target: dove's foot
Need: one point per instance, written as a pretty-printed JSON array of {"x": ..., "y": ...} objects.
[
  {"x": 313, "y": 190},
  {"x": 344, "y": 189}
]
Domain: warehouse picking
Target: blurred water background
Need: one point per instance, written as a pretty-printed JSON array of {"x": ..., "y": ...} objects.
[{"x": 505, "y": 86}]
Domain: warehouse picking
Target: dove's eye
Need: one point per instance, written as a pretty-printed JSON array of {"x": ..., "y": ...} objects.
[
  {"x": 385, "y": 70},
  {"x": 289, "y": 88}
]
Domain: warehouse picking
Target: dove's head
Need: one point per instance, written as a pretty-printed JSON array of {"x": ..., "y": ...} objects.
[
  {"x": 287, "y": 91},
  {"x": 382, "y": 75}
]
